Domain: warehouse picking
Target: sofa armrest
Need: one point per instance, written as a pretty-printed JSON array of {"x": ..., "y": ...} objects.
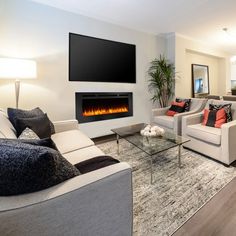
[
  {"x": 61, "y": 126},
  {"x": 228, "y": 137},
  {"x": 96, "y": 203},
  {"x": 160, "y": 111}
]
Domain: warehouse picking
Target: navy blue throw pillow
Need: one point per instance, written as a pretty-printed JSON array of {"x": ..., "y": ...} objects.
[{"x": 26, "y": 168}]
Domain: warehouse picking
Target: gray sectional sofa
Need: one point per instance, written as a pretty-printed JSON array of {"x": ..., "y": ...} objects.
[{"x": 96, "y": 203}]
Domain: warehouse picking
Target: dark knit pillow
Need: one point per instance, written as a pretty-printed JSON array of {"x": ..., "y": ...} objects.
[
  {"x": 227, "y": 108},
  {"x": 187, "y": 103},
  {"x": 13, "y": 114},
  {"x": 45, "y": 142},
  {"x": 26, "y": 168},
  {"x": 176, "y": 107},
  {"x": 95, "y": 163},
  {"x": 40, "y": 125}
]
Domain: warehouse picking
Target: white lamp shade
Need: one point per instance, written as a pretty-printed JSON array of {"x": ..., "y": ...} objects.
[{"x": 11, "y": 68}]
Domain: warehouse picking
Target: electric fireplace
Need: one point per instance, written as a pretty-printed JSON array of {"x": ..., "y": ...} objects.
[{"x": 102, "y": 106}]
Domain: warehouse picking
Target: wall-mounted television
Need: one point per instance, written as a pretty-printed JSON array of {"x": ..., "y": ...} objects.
[{"x": 100, "y": 60}]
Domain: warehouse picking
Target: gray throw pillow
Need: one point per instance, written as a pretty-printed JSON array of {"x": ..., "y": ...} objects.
[
  {"x": 26, "y": 168},
  {"x": 14, "y": 113},
  {"x": 40, "y": 125}
]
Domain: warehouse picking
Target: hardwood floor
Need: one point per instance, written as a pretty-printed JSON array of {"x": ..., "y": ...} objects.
[{"x": 216, "y": 218}]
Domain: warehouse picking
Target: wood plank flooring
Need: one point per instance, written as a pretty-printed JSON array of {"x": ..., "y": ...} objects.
[{"x": 216, "y": 218}]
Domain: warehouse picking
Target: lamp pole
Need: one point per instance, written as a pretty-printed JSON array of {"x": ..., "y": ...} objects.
[{"x": 17, "y": 90}]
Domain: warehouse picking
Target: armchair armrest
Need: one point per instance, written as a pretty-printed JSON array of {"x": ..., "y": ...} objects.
[
  {"x": 178, "y": 120},
  {"x": 65, "y": 125},
  {"x": 228, "y": 137},
  {"x": 160, "y": 111},
  {"x": 191, "y": 120}
]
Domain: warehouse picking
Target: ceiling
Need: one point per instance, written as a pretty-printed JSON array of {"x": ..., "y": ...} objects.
[{"x": 201, "y": 20}]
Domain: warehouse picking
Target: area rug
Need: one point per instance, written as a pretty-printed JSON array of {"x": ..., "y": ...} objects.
[{"x": 176, "y": 194}]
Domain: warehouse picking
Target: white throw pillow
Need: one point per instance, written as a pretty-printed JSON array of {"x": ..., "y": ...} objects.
[{"x": 28, "y": 134}]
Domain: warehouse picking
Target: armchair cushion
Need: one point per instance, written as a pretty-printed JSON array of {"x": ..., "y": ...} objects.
[
  {"x": 166, "y": 121},
  {"x": 204, "y": 133},
  {"x": 227, "y": 108},
  {"x": 176, "y": 107},
  {"x": 214, "y": 118},
  {"x": 187, "y": 103}
]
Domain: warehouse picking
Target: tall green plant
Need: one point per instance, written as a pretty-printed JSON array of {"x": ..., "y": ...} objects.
[{"x": 161, "y": 82}]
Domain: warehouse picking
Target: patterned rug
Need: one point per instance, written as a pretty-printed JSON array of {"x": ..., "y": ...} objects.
[{"x": 176, "y": 194}]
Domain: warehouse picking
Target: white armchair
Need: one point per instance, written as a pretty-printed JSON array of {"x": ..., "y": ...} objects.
[
  {"x": 174, "y": 123},
  {"x": 217, "y": 143}
]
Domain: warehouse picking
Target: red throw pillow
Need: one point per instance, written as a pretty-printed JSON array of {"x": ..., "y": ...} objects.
[
  {"x": 214, "y": 118},
  {"x": 176, "y": 107}
]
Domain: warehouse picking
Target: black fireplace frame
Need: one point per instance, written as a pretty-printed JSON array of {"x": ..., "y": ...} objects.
[{"x": 79, "y": 96}]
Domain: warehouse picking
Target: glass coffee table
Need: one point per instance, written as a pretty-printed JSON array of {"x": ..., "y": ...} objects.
[{"x": 150, "y": 145}]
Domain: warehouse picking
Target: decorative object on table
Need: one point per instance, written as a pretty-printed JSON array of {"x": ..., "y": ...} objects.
[
  {"x": 11, "y": 68},
  {"x": 152, "y": 131},
  {"x": 200, "y": 80},
  {"x": 161, "y": 83}
]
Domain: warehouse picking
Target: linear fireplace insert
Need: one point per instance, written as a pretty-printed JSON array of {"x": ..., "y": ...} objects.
[{"x": 102, "y": 106}]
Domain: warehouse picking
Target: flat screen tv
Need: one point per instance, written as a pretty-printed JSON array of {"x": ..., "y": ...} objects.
[{"x": 99, "y": 60}]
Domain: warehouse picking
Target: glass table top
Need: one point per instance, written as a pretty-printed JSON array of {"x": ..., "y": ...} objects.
[{"x": 150, "y": 145}]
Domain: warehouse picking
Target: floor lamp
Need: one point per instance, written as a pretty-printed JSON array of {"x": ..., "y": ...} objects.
[{"x": 11, "y": 68}]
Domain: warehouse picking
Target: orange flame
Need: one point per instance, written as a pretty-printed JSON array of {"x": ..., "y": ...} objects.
[{"x": 104, "y": 111}]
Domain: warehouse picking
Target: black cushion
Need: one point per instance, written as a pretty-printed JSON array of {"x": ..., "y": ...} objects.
[
  {"x": 187, "y": 103},
  {"x": 14, "y": 113},
  {"x": 26, "y": 168},
  {"x": 95, "y": 163},
  {"x": 40, "y": 125}
]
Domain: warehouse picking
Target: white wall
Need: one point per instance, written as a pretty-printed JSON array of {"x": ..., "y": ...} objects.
[
  {"x": 187, "y": 52},
  {"x": 31, "y": 30}
]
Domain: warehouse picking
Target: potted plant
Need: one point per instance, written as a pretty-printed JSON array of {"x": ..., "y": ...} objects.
[{"x": 161, "y": 82}]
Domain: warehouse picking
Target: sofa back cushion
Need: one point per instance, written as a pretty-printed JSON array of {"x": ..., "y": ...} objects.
[
  {"x": 6, "y": 128},
  {"x": 26, "y": 168}
]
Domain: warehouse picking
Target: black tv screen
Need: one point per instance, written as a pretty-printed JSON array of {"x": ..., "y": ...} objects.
[{"x": 99, "y": 60}]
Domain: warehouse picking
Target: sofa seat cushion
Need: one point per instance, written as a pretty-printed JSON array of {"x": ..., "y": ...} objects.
[
  {"x": 83, "y": 154},
  {"x": 71, "y": 140},
  {"x": 6, "y": 128},
  {"x": 166, "y": 121},
  {"x": 205, "y": 133}
]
